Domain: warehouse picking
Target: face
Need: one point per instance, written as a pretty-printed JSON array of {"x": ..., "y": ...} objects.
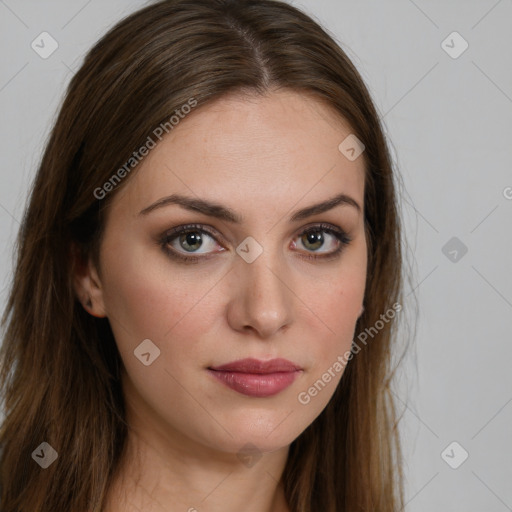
[{"x": 240, "y": 268}]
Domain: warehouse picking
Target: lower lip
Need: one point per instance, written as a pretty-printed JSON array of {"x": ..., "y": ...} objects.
[{"x": 256, "y": 384}]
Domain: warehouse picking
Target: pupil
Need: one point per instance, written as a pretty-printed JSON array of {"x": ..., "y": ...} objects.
[
  {"x": 314, "y": 238},
  {"x": 192, "y": 238}
]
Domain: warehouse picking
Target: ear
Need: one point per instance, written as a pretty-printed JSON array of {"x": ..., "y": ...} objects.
[
  {"x": 361, "y": 311},
  {"x": 87, "y": 284}
]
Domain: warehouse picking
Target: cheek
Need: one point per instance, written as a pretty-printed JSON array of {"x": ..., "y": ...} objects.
[
  {"x": 156, "y": 301},
  {"x": 335, "y": 334},
  {"x": 336, "y": 312},
  {"x": 176, "y": 310},
  {"x": 338, "y": 300},
  {"x": 149, "y": 297}
]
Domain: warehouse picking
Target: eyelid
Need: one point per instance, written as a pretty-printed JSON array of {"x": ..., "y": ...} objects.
[
  {"x": 216, "y": 234},
  {"x": 320, "y": 226},
  {"x": 190, "y": 227},
  {"x": 340, "y": 234},
  {"x": 164, "y": 240}
]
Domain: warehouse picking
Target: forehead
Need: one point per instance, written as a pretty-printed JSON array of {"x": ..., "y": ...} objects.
[{"x": 262, "y": 150}]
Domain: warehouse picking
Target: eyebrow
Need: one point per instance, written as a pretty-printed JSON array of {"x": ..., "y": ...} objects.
[{"x": 219, "y": 211}]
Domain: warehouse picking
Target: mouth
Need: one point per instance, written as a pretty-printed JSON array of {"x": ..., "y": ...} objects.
[{"x": 252, "y": 377}]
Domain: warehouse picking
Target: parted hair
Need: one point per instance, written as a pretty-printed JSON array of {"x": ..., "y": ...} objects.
[{"x": 60, "y": 367}]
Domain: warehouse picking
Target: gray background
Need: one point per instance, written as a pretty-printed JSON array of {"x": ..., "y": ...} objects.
[{"x": 449, "y": 121}]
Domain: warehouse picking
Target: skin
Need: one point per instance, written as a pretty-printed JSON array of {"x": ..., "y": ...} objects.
[{"x": 264, "y": 158}]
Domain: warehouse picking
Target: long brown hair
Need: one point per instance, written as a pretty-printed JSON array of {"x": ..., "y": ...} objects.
[{"x": 60, "y": 367}]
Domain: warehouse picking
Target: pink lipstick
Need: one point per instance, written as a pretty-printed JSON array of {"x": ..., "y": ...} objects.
[{"x": 256, "y": 378}]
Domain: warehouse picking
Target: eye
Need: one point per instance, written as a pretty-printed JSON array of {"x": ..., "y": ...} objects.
[
  {"x": 185, "y": 242},
  {"x": 313, "y": 240},
  {"x": 189, "y": 239}
]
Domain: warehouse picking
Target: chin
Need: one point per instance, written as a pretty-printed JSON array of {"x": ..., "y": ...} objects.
[{"x": 261, "y": 435}]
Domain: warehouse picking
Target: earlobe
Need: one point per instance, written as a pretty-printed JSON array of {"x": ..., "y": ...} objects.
[
  {"x": 93, "y": 309},
  {"x": 88, "y": 286}
]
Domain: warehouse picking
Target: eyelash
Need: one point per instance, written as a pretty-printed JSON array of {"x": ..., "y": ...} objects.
[{"x": 339, "y": 234}]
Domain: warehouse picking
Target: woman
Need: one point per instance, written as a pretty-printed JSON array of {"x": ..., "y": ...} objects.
[{"x": 212, "y": 227}]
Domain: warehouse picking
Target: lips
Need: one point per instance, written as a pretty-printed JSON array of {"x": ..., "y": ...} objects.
[
  {"x": 253, "y": 377},
  {"x": 257, "y": 366}
]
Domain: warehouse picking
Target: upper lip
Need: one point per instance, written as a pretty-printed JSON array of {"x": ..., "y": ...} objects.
[{"x": 251, "y": 365}]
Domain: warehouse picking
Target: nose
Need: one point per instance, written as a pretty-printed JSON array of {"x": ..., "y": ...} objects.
[{"x": 262, "y": 300}]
